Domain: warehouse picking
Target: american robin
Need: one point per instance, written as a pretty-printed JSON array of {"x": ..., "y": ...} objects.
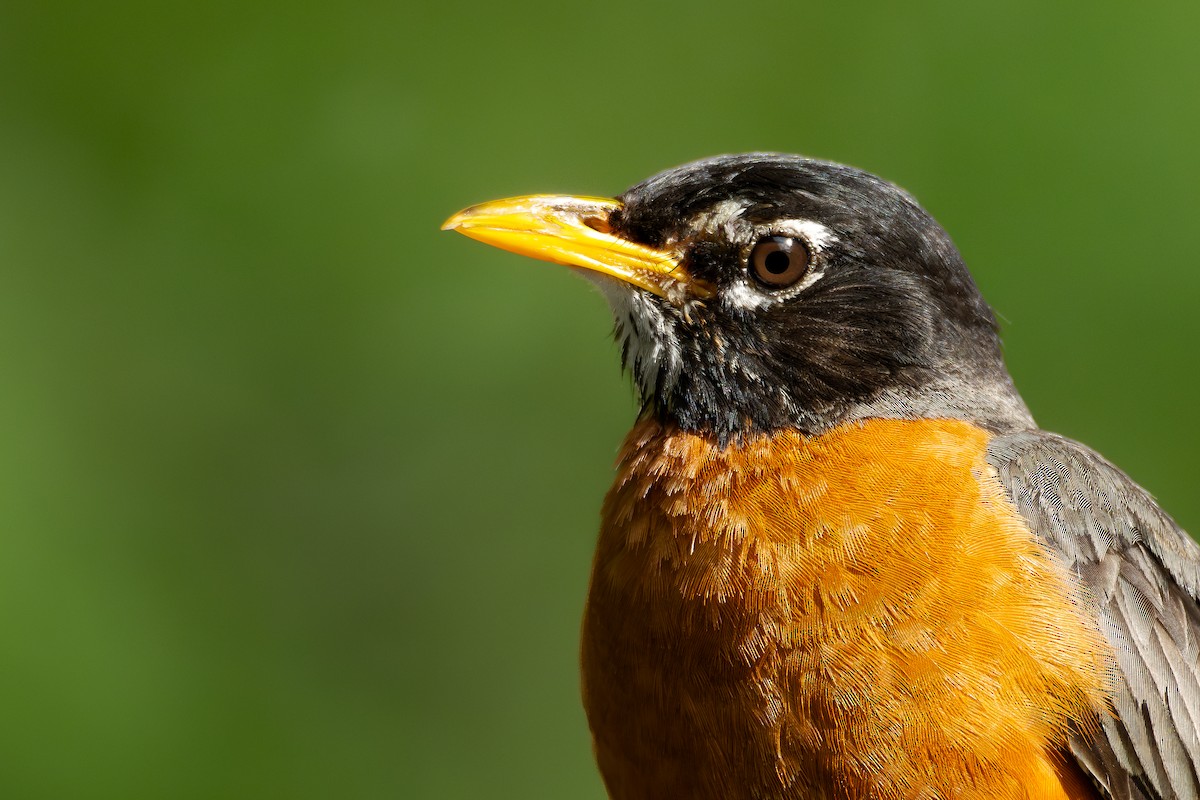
[{"x": 840, "y": 560}]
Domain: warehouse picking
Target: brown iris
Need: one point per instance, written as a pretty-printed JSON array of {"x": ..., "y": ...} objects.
[{"x": 779, "y": 261}]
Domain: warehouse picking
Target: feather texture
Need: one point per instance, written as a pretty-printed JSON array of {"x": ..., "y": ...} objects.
[
  {"x": 1142, "y": 572},
  {"x": 860, "y": 614}
]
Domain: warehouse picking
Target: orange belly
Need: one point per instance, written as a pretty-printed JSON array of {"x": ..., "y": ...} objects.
[{"x": 857, "y": 615}]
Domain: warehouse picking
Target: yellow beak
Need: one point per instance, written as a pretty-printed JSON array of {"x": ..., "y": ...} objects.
[{"x": 574, "y": 231}]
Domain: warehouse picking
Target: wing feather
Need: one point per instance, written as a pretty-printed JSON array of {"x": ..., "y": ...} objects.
[{"x": 1143, "y": 571}]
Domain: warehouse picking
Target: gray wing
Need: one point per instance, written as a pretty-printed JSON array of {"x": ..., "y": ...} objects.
[{"x": 1143, "y": 571}]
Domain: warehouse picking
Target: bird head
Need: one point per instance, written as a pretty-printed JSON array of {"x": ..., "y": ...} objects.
[{"x": 758, "y": 292}]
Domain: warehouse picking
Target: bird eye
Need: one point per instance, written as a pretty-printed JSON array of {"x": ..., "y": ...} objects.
[{"x": 779, "y": 261}]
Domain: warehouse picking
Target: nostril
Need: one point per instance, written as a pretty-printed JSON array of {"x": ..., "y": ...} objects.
[{"x": 599, "y": 224}]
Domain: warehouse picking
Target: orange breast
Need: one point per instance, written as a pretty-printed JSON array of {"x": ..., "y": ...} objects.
[{"x": 857, "y": 615}]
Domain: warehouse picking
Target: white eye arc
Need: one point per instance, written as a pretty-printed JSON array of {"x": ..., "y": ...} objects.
[
  {"x": 814, "y": 234},
  {"x": 753, "y": 292}
]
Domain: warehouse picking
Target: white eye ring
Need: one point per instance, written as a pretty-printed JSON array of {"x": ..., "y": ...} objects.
[{"x": 750, "y": 292}]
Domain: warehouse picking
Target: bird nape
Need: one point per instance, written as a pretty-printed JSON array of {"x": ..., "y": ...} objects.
[{"x": 839, "y": 559}]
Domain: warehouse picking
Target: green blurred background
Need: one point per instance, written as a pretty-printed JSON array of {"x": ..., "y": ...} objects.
[{"x": 299, "y": 493}]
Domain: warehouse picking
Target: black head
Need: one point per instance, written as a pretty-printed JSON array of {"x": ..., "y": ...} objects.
[{"x": 807, "y": 294}]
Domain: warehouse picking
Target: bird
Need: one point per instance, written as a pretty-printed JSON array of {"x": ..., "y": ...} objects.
[{"x": 840, "y": 559}]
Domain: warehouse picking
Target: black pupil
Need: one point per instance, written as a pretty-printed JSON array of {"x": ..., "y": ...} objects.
[{"x": 777, "y": 262}]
